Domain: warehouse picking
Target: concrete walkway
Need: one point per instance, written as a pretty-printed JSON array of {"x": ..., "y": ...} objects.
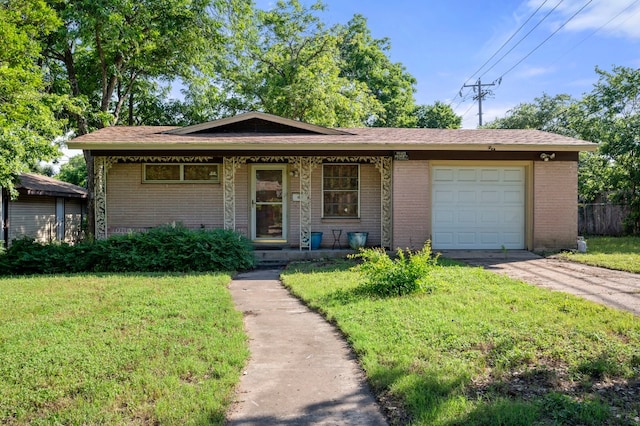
[
  {"x": 301, "y": 370},
  {"x": 617, "y": 289}
]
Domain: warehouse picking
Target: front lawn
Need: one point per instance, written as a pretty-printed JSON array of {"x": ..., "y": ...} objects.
[
  {"x": 118, "y": 349},
  {"x": 481, "y": 348},
  {"x": 622, "y": 253}
]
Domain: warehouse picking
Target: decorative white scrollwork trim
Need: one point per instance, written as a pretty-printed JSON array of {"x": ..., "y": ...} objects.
[
  {"x": 161, "y": 158},
  {"x": 305, "y": 169},
  {"x": 101, "y": 166},
  {"x": 384, "y": 166},
  {"x": 229, "y": 167}
]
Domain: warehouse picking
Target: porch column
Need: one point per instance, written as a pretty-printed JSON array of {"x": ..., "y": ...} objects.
[
  {"x": 384, "y": 165},
  {"x": 230, "y": 165},
  {"x": 305, "y": 166},
  {"x": 101, "y": 165}
]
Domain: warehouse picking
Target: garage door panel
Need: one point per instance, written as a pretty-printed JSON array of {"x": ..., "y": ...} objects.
[
  {"x": 489, "y": 197},
  {"x": 513, "y": 175},
  {"x": 466, "y": 238},
  {"x": 443, "y": 175},
  {"x": 478, "y": 207},
  {"x": 443, "y": 238},
  {"x": 514, "y": 197},
  {"x": 489, "y": 237},
  {"x": 444, "y": 196},
  {"x": 467, "y": 175},
  {"x": 467, "y": 197}
]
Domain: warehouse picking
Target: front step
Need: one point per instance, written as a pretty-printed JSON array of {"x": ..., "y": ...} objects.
[{"x": 282, "y": 257}]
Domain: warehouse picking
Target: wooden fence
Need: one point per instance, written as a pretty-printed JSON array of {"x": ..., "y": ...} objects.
[{"x": 601, "y": 219}]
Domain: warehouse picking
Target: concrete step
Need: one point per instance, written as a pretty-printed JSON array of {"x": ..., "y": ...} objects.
[{"x": 282, "y": 257}]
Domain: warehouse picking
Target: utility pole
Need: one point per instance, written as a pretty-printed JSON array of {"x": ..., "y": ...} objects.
[{"x": 480, "y": 94}]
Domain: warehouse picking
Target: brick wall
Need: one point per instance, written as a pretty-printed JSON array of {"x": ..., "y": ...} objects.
[
  {"x": 555, "y": 205},
  {"x": 411, "y": 204},
  {"x": 133, "y": 204}
]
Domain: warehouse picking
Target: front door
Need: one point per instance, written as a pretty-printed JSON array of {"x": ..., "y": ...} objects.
[{"x": 268, "y": 203}]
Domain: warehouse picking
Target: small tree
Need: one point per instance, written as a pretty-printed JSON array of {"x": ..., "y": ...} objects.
[
  {"x": 74, "y": 171},
  {"x": 437, "y": 116}
]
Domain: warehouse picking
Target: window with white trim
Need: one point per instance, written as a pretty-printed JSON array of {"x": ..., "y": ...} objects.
[
  {"x": 340, "y": 190},
  {"x": 181, "y": 173}
]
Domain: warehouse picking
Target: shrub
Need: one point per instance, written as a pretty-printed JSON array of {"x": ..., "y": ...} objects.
[
  {"x": 161, "y": 249},
  {"x": 404, "y": 274}
]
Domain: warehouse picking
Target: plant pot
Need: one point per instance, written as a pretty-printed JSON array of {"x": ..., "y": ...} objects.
[
  {"x": 316, "y": 239},
  {"x": 357, "y": 239}
]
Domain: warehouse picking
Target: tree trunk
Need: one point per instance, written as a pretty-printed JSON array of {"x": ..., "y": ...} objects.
[{"x": 83, "y": 129}]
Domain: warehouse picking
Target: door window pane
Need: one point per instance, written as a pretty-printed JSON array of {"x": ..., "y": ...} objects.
[
  {"x": 269, "y": 221},
  {"x": 268, "y": 186}
]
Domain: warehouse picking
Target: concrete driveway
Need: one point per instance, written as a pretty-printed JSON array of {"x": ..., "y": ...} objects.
[{"x": 616, "y": 289}]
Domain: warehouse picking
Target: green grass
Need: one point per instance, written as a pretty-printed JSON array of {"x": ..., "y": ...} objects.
[
  {"x": 118, "y": 349},
  {"x": 621, "y": 253},
  {"x": 482, "y": 348}
]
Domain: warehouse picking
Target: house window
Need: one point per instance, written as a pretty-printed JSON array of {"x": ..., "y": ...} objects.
[
  {"x": 340, "y": 190},
  {"x": 187, "y": 173}
]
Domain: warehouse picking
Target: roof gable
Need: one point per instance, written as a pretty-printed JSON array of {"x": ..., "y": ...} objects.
[{"x": 255, "y": 123}]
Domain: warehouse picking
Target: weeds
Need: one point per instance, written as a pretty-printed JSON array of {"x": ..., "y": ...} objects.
[{"x": 405, "y": 274}]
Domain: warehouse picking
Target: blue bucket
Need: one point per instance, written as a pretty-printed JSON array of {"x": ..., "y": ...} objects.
[{"x": 316, "y": 239}]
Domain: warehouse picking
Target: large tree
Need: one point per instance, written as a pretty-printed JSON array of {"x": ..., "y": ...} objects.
[
  {"x": 611, "y": 117},
  {"x": 106, "y": 50},
  {"x": 437, "y": 116},
  {"x": 365, "y": 59},
  {"x": 28, "y": 124},
  {"x": 287, "y": 63}
]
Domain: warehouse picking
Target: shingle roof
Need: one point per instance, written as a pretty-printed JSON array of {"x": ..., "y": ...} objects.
[
  {"x": 209, "y": 136},
  {"x": 32, "y": 184}
]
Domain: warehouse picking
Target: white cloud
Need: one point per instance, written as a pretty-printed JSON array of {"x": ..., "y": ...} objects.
[
  {"x": 535, "y": 71},
  {"x": 619, "y": 18}
]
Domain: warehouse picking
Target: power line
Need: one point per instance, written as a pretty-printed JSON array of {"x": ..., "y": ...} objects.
[
  {"x": 629, "y": 6},
  {"x": 462, "y": 99},
  {"x": 508, "y": 40},
  {"x": 523, "y": 38},
  {"x": 546, "y": 39}
]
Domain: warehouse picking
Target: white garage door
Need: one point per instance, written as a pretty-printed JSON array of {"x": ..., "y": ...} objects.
[{"x": 478, "y": 207}]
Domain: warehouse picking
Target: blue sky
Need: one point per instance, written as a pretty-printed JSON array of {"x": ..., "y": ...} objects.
[{"x": 442, "y": 43}]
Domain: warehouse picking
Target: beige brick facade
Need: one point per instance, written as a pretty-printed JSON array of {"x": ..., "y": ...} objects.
[
  {"x": 411, "y": 204},
  {"x": 132, "y": 204},
  {"x": 555, "y": 205},
  {"x": 551, "y": 207}
]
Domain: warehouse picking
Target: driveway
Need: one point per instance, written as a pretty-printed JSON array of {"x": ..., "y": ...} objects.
[{"x": 616, "y": 289}]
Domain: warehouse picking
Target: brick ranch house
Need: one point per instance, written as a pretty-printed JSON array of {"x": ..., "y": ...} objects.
[
  {"x": 46, "y": 210},
  {"x": 276, "y": 180}
]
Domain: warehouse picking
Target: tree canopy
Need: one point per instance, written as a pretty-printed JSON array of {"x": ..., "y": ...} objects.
[
  {"x": 28, "y": 121},
  {"x": 437, "y": 116}
]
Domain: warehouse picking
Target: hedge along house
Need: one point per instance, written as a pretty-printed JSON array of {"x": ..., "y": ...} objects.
[
  {"x": 46, "y": 210},
  {"x": 276, "y": 180}
]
